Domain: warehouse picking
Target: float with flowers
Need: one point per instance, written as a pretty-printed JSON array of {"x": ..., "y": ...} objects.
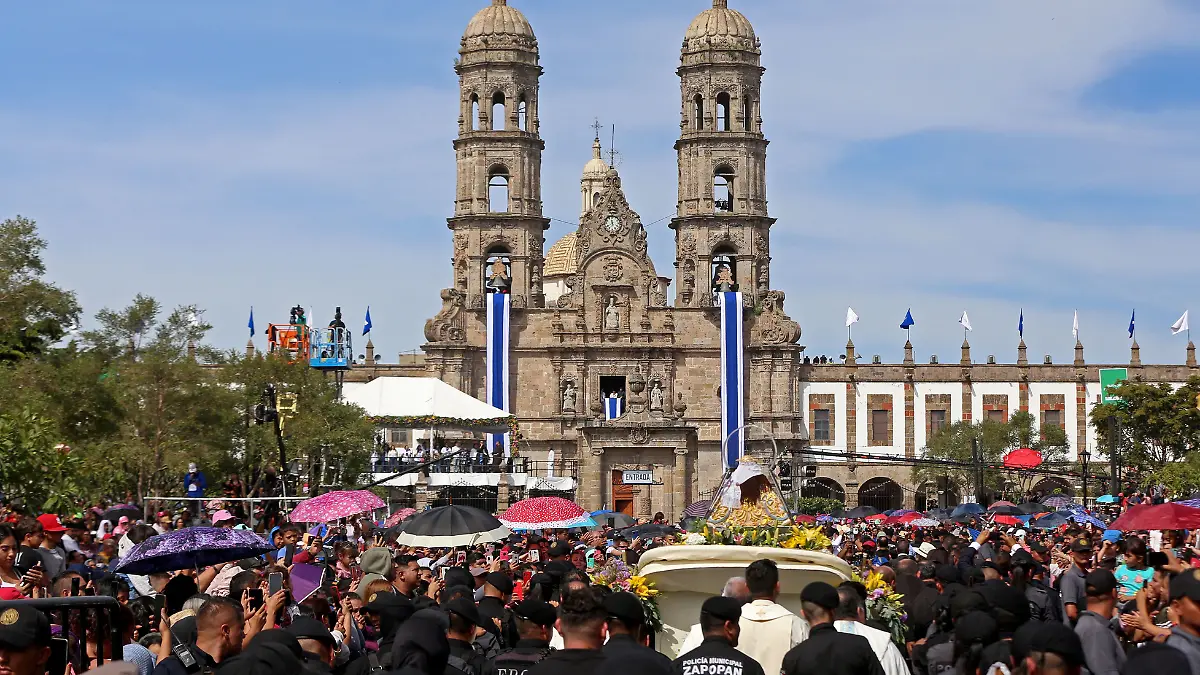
[{"x": 747, "y": 521}]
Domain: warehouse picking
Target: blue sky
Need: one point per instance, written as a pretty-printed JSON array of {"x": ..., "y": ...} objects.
[{"x": 938, "y": 155}]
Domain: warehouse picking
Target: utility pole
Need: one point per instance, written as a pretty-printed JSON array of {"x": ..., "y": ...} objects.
[
  {"x": 1114, "y": 488},
  {"x": 976, "y": 462}
]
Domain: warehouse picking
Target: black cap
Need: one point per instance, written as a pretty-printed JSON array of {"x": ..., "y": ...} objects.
[
  {"x": 1186, "y": 585},
  {"x": 464, "y": 608},
  {"x": 820, "y": 594},
  {"x": 625, "y": 606},
  {"x": 1081, "y": 545},
  {"x": 1037, "y": 547},
  {"x": 308, "y": 628},
  {"x": 965, "y": 602},
  {"x": 1100, "y": 582},
  {"x": 384, "y": 601},
  {"x": 1053, "y": 637},
  {"x": 457, "y": 576},
  {"x": 559, "y": 549},
  {"x": 541, "y": 613},
  {"x": 1154, "y": 657},
  {"x": 947, "y": 574},
  {"x": 976, "y": 627},
  {"x": 1023, "y": 558},
  {"x": 22, "y": 627},
  {"x": 500, "y": 581},
  {"x": 721, "y": 607}
]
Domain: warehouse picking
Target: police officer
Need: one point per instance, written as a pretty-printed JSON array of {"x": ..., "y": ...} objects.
[
  {"x": 24, "y": 640},
  {"x": 627, "y": 633},
  {"x": 1044, "y": 602},
  {"x": 464, "y": 619},
  {"x": 826, "y": 651},
  {"x": 534, "y": 619},
  {"x": 719, "y": 617},
  {"x": 317, "y": 643}
]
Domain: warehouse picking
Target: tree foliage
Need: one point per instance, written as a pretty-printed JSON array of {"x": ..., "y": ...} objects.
[
  {"x": 34, "y": 313},
  {"x": 1156, "y": 430},
  {"x": 814, "y": 506}
]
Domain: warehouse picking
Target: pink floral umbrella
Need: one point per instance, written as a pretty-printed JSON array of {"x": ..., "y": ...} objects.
[
  {"x": 334, "y": 506},
  {"x": 539, "y": 513},
  {"x": 398, "y": 516}
]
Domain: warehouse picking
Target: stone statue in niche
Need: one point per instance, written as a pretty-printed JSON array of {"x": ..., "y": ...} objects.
[
  {"x": 612, "y": 314},
  {"x": 656, "y": 395},
  {"x": 569, "y": 395},
  {"x": 723, "y": 281}
]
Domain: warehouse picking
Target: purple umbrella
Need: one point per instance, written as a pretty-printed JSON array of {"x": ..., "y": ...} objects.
[
  {"x": 1058, "y": 501},
  {"x": 191, "y": 548},
  {"x": 697, "y": 508}
]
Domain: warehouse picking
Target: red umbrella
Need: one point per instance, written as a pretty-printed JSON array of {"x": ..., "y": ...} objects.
[
  {"x": 1006, "y": 520},
  {"x": 539, "y": 513},
  {"x": 1161, "y": 517},
  {"x": 1023, "y": 458},
  {"x": 903, "y": 518},
  {"x": 806, "y": 519},
  {"x": 398, "y": 516},
  {"x": 877, "y": 516},
  {"x": 999, "y": 504}
]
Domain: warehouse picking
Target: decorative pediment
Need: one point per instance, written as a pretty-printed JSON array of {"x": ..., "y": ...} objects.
[{"x": 610, "y": 229}]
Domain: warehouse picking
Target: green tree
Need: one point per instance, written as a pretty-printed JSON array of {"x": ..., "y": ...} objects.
[
  {"x": 953, "y": 443},
  {"x": 37, "y": 468},
  {"x": 1051, "y": 440},
  {"x": 1156, "y": 424},
  {"x": 34, "y": 313}
]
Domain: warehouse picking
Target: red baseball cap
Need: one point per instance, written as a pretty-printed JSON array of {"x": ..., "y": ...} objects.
[{"x": 51, "y": 523}]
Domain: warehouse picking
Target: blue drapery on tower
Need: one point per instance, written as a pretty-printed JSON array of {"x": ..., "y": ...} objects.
[
  {"x": 498, "y": 306},
  {"x": 614, "y": 407},
  {"x": 733, "y": 413}
]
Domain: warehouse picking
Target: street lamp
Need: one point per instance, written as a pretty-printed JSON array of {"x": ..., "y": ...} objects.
[{"x": 1084, "y": 455}]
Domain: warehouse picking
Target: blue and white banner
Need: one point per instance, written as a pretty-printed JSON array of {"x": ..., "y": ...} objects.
[
  {"x": 498, "y": 305},
  {"x": 614, "y": 407},
  {"x": 733, "y": 413}
]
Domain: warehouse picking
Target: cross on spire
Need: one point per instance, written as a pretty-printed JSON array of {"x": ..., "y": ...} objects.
[{"x": 596, "y": 127}]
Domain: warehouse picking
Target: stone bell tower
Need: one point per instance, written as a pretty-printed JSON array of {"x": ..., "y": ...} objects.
[
  {"x": 498, "y": 221},
  {"x": 721, "y": 216}
]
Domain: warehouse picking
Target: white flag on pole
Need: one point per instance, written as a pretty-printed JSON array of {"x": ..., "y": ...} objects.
[
  {"x": 964, "y": 321},
  {"x": 851, "y": 317},
  {"x": 1181, "y": 325},
  {"x": 1075, "y": 326}
]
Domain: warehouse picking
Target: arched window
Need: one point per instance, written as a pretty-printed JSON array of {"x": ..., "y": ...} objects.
[
  {"x": 498, "y": 190},
  {"x": 595, "y": 198},
  {"x": 723, "y": 268},
  {"x": 723, "y": 189},
  {"x": 522, "y": 112},
  {"x": 497, "y": 270},
  {"x": 747, "y": 113},
  {"x": 723, "y": 112},
  {"x": 474, "y": 112},
  {"x": 498, "y": 121},
  {"x": 698, "y": 112}
]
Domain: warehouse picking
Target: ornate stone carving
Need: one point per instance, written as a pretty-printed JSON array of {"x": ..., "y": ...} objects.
[
  {"x": 687, "y": 245},
  {"x": 612, "y": 314},
  {"x": 726, "y": 236},
  {"x": 658, "y": 297},
  {"x": 569, "y": 395},
  {"x": 763, "y": 280},
  {"x": 519, "y": 301},
  {"x": 669, "y": 321},
  {"x": 656, "y": 395},
  {"x": 447, "y": 325},
  {"x": 477, "y": 301},
  {"x": 613, "y": 268},
  {"x": 639, "y": 435},
  {"x": 772, "y": 326},
  {"x": 460, "y": 242},
  {"x": 761, "y": 244},
  {"x": 680, "y": 407}
]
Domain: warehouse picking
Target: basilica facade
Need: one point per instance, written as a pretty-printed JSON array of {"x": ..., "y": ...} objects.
[{"x": 593, "y": 318}]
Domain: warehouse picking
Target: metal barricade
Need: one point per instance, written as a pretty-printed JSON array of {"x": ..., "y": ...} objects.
[{"x": 75, "y": 617}]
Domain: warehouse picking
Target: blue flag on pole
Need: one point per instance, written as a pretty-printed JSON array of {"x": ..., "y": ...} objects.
[
  {"x": 614, "y": 407},
  {"x": 1021, "y": 324},
  {"x": 250, "y": 324},
  {"x": 908, "y": 320},
  {"x": 1131, "y": 322},
  {"x": 367, "y": 321}
]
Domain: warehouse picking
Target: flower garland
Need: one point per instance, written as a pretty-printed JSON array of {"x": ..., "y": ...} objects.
[
  {"x": 616, "y": 575},
  {"x": 790, "y": 537},
  {"x": 430, "y": 421},
  {"x": 885, "y": 605}
]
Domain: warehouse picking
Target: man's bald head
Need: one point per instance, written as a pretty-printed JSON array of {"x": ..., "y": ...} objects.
[
  {"x": 736, "y": 588},
  {"x": 888, "y": 574},
  {"x": 906, "y": 567}
]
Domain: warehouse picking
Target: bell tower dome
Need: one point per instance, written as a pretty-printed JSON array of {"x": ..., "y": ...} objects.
[
  {"x": 721, "y": 214},
  {"x": 498, "y": 202}
]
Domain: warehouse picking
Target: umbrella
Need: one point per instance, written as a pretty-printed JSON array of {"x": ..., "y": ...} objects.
[
  {"x": 902, "y": 518},
  {"x": 1170, "y": 516},
  {"x": 1058, "y": 501},
  {"x": 965, "y": 518},
  {"x": 448, "y": 526},
  {"x": 877, "y": 516},
  {"x": 1002, "y": 502},
  {"x": 940, "y": 514},
  {"x": 616, "y": 520},
  {"x": 398, "y": 516},
  {"x": 826, "y": 518},
  {"x": 1050, "y": 521},
  {"x": 191, "y": 548},
  {"x": 540, "y": 513},
  {"x": 335, "y": 506},
  {"x": 1006, "y": 520},
  {"x": 924, "y": 522},
  {"x": 1084, "y": 518},
  {"x": 969, "y": 508},
  {"x": 693, "y": 524},
  {"x": 698, "y": 508},
  {"x": 860, "y": 512},
  {"x": 1010, "y": 510},
  {"x": 1023, "y": 458},
  {"x": 1106, "y": 499},
  {"x": 649, "y": 530},
  {"x": 129, "y": 511},
  {"x": 1031, "y": 508},
  {"x": 1195, "y": 503},
  {"x": 804, "y": 519}
]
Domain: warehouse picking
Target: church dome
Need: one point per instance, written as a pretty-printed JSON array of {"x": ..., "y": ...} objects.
[
  {"x": 720, "y": 27},
  {"x": 500, "y": 20},
  {"x": 562, "y": 259},
  {"x": 596, "y": 167}
]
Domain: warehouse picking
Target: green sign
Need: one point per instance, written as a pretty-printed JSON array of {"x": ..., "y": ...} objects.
[{"x": 1108, "y": 378}]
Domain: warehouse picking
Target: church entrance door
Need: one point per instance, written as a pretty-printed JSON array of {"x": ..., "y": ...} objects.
[{"x": 622, "y": 494}]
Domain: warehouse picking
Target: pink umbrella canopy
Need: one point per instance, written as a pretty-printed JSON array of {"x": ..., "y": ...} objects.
[
  {"x": 398, "y": 516},
  {"x": 334, "y": 506},
  {"x": 538, "y": 513},
  {"x": 1023, "y": 458}
]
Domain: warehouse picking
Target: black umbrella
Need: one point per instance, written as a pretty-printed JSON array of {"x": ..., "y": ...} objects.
[
  {"x": 861, "y": 512},
  {"x": 1006, "y": 510},
  {"x": 616, "y": 520},
  {"x": 449, "y": 526},
  {"x": 124, "y": 510},
  {"x": 648, "y": 531},
  {"x": 1030, "y": 508}
]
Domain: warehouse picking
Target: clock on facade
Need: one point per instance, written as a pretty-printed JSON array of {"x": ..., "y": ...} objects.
[{"x": 612, "y": 224}]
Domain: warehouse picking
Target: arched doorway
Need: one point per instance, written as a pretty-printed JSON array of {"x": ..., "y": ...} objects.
[
  {"x": 1052, "y": 485},
  {"x": 929, "y": 497},
  {"x": 882, "y": 493},
  {"x": 823, "y": 488}
]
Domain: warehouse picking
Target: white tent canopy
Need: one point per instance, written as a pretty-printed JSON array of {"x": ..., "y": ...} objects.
[{"x": 422, "y": 397}]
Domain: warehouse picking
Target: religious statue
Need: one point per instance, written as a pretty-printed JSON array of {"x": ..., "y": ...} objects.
[
  {"x": 656, "y": 395},
  {"x": 498, "y": 280},
  {"x": 568, "y": 400},
  {"x": 723, "y": 280},
  {"x": 612, "y": 315}
]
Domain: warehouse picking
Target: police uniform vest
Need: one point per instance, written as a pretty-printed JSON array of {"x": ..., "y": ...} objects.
[
  {"x": 715, "y": 656},
  {"x": 519, "y": 660}
]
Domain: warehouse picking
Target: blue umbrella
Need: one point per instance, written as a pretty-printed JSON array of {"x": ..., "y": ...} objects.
[
  {"x": 966, "y": 509},
  {"x": 1106, "y": 499},
  {"x": 1050, "y": 521},
  {"x": 191, "y": 548},
  {"x": 1085, "y": 519}
]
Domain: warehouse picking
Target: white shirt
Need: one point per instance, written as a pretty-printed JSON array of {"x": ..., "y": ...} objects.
[
  {"x": 769, "y": 630},
  {"x": 881, "y": 643}
]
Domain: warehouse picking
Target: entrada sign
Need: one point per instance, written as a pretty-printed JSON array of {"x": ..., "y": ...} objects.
[{"x": 637, "y": 477}]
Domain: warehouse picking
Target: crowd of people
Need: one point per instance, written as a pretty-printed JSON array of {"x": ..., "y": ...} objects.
[{"x": 976, "y": 602}]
